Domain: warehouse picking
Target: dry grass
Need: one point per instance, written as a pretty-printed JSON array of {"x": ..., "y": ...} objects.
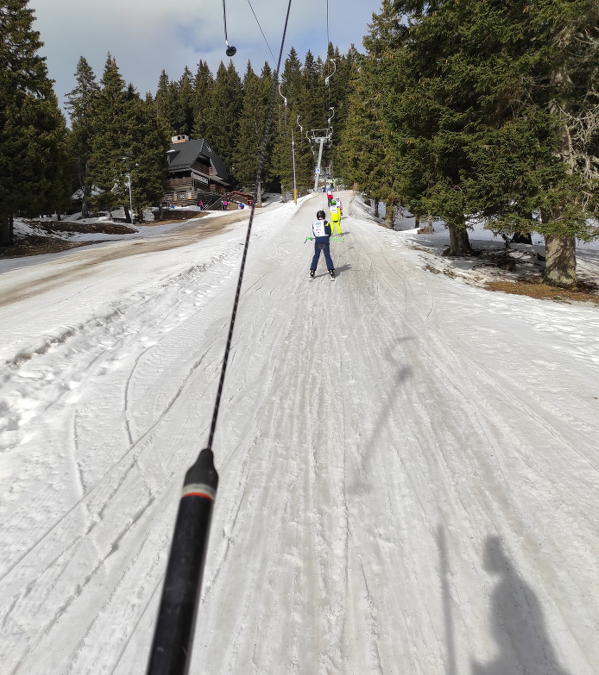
[{"x": 535, "y": 288}]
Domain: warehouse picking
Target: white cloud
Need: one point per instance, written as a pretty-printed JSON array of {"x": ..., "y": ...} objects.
[{"x": 147, "y": 36}]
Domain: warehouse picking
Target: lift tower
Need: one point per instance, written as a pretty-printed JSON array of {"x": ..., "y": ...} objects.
[{"x": 320, "y": 137}]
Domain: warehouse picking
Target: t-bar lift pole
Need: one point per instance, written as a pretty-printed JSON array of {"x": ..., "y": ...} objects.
[
  {"x": 321, "y": 140},
  {"x": 293, "y": 156}
]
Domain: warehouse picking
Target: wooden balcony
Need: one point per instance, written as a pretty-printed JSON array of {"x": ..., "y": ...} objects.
[{"x": 203, "y": 169}]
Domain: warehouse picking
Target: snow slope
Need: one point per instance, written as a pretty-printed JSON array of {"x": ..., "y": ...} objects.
[{"x": 409, "y": 465}]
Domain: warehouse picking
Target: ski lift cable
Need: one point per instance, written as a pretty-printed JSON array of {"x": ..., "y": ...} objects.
[
  {"x": 247, "y": 238},
  {"x": 264, "y": 36},
  {"x": 173, "y": 638},
  {"x": 327, "y": 55}
]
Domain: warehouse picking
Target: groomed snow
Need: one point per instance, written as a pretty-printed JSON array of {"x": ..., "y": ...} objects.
[{"x": 408, "y": 464}]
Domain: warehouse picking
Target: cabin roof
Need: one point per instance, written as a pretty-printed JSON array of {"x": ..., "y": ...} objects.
[{"x": 187, "y": 152}]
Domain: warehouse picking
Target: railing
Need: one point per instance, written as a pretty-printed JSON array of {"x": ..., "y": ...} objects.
[{"x": 202, "y": 168}]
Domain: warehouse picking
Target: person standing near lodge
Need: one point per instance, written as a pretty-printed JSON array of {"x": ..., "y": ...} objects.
[
  {"x": 321, "y": 231},
  {"x": 335, "y": 217}
]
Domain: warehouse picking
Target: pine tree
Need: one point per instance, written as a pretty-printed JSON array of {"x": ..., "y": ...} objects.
[
  {"x": 282, "y": 162},
  {"x": 571, "y": 60},
  {"x": 256, "y": 99},
  {"x": 313, "y": 98},
  {"x": 184, "y": 102},
  {"x": 146, "y": 155},
  {"x": 204, "y": 88},
  {"x": 81, "y": 104},
  {"x": 222, "y": 121},
  {"x": 367, "y": 155},
  {"x": 480, "y": 111},
  {"x": 111, "y": 144},
  {"x": 34, "y": 175},
  {"x": 165, "y": 101},
  {"x": 339, "y": 88}
]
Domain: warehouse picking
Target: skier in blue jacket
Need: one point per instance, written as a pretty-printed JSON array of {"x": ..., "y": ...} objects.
[{"x": 321, "y": 231}]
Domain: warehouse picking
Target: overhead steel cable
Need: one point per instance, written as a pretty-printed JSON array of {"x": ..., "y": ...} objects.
[
  {"x": 173, "y": 638},
  {"x": 247, "y": 238},
  {"x": 260, "y": 27}
]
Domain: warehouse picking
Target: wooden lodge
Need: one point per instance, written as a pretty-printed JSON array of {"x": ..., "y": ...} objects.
[{"x": 195, "y": 173}]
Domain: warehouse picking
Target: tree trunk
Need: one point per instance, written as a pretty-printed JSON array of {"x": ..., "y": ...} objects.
[
  {"x": 416, "y": 221},
  {"x": 259, "y": 195},
  {"x": 160, "y": 212},
  {"x": 4, "y": 230},
  {"x": 376, "y": 208},
  {"x": 459, "y": 243},
  {"x": 58, "y": 217},
  {"x": 127, "y": 215},
  {"x": 389, "y": 214},
  {"x": 560, "y": 266}
]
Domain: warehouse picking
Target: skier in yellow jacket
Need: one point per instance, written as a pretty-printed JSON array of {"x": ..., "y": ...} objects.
[{"x": 335, "y": 217}]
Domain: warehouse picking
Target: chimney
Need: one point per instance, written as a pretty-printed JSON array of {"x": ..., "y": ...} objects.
[{"x": 182, "y": 138}]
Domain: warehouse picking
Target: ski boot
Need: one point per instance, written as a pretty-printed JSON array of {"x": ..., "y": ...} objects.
[
  {"x": 332, "y": 273},
  {"x": 312, "y": 273}
]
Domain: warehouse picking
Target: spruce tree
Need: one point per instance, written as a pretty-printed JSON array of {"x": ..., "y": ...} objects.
[
  {"x": 204, "y": 87},
  {"x": 34, "y": 175},
  {"x": 256, "y": 99},
  {"x": 110, "y": 158},
  {"x": 367, "y": 155},
  {"x": 146, "y": 155},
  {"x": 81, "y": 104},
  {"x": 313, "y": 98},
  {"x": 222, "y": 121},
  {"x": 291, "y": 88},
  {"x": 482, "y": 96},
  {"x": 165, "y": 101},
  {"x": 183, "y": 103}
]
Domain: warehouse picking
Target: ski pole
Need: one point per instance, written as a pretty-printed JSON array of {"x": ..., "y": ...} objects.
[
  {"x": 330, "y": 238},
  {"x": 173, "y": 639}
]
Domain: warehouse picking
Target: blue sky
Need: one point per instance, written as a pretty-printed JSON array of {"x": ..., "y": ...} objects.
[{"x": 146, "y": 36}]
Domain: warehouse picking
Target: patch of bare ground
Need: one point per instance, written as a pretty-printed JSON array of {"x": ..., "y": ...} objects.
[
  {"x": 536, "y": 288},
  {"x": 81, "y": 228},
  {"x": 32, "y": 245}
]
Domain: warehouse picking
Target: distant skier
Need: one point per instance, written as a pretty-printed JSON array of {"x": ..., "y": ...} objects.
[
  {"x": 321, "y": 231},
  {"x": 335, "y": 217},
  {"x": 340, "y": 205},
  {"x": 330, "y": 195}
]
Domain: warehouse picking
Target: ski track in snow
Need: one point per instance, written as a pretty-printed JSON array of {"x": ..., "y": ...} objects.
[{"x": 409, "y": 465}]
